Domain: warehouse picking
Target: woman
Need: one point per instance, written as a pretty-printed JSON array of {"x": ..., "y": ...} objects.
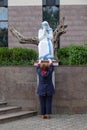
[
  {"x": 45, "y": 36},
  {"x": 45, "y": 87}
]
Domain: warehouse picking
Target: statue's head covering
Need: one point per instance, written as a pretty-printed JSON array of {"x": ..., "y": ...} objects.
[{"x": 45, "y": 25}]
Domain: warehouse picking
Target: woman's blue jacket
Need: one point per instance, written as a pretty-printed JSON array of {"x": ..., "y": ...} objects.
[{"x": 45, "y": 85}]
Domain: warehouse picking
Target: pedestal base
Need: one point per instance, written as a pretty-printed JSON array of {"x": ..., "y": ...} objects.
[{"x": 55, "y": 63}]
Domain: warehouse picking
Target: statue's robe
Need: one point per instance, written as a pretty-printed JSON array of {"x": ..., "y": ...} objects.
[{"x": 45, "y": 46}]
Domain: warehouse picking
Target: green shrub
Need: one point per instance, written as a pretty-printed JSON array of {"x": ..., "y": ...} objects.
[
  {"x": 63, "y": 55},
  {"x": 17, "y": 56},
  {"x": 73, "y": 55}
]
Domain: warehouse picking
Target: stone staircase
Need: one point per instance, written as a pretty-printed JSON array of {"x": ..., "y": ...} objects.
[{"x": 10, "y": 113}]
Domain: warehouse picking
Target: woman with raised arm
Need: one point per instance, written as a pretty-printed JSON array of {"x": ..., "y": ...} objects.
[{"x": 45, "y": 88}]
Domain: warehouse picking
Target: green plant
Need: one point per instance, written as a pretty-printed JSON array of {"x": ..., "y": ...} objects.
[
  {"x": 17, "y": 56},
  {"x": 73, "y": 55},
  {"x": 63, "y": 55}
]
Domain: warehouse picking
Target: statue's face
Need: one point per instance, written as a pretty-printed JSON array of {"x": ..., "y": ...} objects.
[{"x": 45, "y": 25}]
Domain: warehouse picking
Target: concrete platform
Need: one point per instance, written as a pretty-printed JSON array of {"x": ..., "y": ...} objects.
[
  {"x": 3, "y": 103},
  {"x": 57, "y": 122},
  {"x": 10, "y": 113},
  {"x": 16, "y": 115},
  {"x": 9, "y": 109}
]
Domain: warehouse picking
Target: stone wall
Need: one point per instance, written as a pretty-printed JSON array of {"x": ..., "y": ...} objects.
[
  {"x": 27, "y": 20},
  {"x": 76, "y": 19},
  {"x": 18, "y": 86}
]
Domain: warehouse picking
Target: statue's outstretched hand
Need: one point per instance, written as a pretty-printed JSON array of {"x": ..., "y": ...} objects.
[
  {"x": 50, "y": 61},
  {"x": 39, "y": 61}
]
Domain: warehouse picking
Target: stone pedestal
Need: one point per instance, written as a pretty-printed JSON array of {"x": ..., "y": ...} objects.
[{"x": 55, "y": 63}]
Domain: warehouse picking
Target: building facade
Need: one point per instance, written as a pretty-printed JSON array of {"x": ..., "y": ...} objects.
[
  {"x": 3, "y": 23},
  {"x": 26, "y": 16},
  {"x": 75, "y": 12}
]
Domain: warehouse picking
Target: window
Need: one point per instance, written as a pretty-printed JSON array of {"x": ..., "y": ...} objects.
[
  {"x": 3, "y": 3},
  {"x": 51, "y": 12},
  {"x": 3, "y": 23}
]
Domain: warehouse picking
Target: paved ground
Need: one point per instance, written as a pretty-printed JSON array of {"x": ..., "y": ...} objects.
[{"x": 57, "y": 122}]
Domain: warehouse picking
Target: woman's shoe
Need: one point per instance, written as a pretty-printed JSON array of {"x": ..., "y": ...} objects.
[
  {"x": 48, "y": 116},
  {"x": 43, "y": 117}
]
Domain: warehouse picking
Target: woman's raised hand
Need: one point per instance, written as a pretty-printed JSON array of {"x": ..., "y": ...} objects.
[
  {"x": 39, "y": 61},
  {"x": 50, "y": 61}
]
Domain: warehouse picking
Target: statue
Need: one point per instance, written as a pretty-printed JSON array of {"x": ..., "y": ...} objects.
[
  {"x": 45, "y": 47},
  {"x": 54, "y": 36}
]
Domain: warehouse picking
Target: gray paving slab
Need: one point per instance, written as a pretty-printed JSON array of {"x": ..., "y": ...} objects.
[{"x": 57, "y": 122}]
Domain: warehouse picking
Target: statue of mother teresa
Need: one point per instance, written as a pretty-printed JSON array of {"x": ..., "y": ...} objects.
[{"x": 45, "y": 47}]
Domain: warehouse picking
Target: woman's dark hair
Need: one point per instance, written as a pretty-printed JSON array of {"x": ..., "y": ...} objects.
[{"x": 44, "y": 66}]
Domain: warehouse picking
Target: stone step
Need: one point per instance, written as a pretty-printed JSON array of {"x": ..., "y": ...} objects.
[
  {"x": 9, "y": 109},
  {"x": 17, "y": 115},
  {"x": 2, "y": 103}
]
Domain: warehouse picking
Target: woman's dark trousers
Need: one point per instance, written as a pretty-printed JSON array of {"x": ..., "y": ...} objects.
[{"x": 45, "y": 104}]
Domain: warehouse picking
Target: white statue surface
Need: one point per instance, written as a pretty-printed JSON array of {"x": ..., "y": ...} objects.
[{"x": 45, "y": 47}]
